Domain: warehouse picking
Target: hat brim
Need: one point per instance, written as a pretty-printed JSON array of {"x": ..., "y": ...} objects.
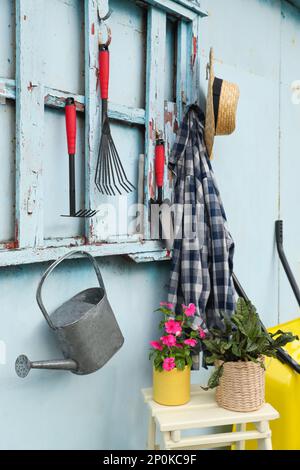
[{"x": 227, "y": 109}]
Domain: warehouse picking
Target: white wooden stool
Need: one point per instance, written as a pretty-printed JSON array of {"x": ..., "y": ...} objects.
[{"x": 202, "y": 412}]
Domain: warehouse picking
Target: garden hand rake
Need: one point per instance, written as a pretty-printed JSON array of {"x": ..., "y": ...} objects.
[
  {"x": 110, "y": 177},
  {"x": 70, "y": 114}
]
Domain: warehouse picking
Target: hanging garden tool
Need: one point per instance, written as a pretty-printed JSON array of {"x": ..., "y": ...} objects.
[
  {"x": 70, "y": 114},
  {"x": 155, "y": 204},
  {"x": 162, "y": 207},
  {"x": 159, "y": 168},
  {"x": 110, "y": 177}
]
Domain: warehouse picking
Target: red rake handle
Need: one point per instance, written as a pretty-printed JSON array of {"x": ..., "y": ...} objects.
[
  {"x": 159, "y": 163},
  {"x": 104, "y": 72},
  {"x": 70, "y": 114}
]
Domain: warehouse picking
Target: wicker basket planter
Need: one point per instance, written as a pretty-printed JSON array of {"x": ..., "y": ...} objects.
[{"x": 242, "y": 386}]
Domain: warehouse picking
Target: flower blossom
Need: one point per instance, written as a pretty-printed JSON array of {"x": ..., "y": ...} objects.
[
  {"x": 189, "y": 310},
  {"x": 156, "y": 345},
  {"x": 168, "y": 340},
  {"x": 169, "y": 364},
  {"x": 190, "y": 342},
  {"x": 167, "y": 304},
  {"x": 202, "y": 333},
  {"x": 173, "y": 327}
]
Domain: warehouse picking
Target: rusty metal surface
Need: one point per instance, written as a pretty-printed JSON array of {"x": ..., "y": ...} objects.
[{"x": 85, "y": 326}]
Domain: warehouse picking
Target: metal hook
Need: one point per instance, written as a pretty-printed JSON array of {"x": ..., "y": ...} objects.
[
  {"x": 102, "y": 22},
  {"x": 99, "y": 9},
  {"x": 108, "y": 15},
  {"x": 159, "y": 135},
  {"x": 108, "y": 41}
]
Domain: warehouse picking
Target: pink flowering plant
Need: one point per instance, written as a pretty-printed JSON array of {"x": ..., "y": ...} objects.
[{"x": 178, "y": 339}]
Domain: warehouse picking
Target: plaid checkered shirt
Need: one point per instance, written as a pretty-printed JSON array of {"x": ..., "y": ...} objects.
[{"x": 202, "y": 261}]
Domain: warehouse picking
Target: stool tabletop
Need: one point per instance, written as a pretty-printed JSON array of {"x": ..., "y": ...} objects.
[{"x": 202, "y": 411}]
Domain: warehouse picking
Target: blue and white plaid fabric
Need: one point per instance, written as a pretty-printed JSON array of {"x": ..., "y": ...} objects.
[{"x": 202, "y": 262}]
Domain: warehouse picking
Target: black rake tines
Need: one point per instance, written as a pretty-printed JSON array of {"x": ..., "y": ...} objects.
[
  {"x": 110, "y": 178},
  {"x": 85, "y": 213}
]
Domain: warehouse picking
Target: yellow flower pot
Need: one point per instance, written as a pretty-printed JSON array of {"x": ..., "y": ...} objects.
[{"x": 173, "y": 387}]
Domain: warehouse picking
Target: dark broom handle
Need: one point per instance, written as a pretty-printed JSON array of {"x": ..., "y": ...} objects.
[
  {"x": 72, "y": 191},
  {"x": 284, "y": 261}
]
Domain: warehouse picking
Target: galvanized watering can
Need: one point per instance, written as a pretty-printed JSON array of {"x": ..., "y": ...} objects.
[{"x": 85, "y": 325}]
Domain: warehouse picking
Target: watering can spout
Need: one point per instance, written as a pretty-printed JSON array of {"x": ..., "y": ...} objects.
[{"x": 23, "y": 365}]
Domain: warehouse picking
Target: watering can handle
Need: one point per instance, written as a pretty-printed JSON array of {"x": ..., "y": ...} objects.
[{"x": 49, "y": 271}]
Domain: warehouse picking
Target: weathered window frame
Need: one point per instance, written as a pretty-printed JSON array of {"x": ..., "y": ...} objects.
[{"x": 31, "y": 98}]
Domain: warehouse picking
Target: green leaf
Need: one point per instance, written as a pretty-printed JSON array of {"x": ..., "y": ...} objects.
[
  {"x": 165, "y": 311},
  {"x": 236, "y": 350},
  {"x": 251, "y": 347},
  {"x": 180, "y": 364},
  {"x": 210, "y": 359},
  {"x": 158, "y": 361},
  {"x": 179, "y": 355},
  {"x": 189, "y": 361},
  {"x": 214, "y": 379}
]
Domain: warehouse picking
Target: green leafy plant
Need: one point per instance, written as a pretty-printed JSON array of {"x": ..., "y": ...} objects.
[
  {"x": 242, "y": 339},
  {"x": 174, "y": 348}
]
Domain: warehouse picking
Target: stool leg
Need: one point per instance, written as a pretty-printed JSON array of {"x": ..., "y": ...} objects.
[
  {"x": 151, "y": 433},
  {"x": 166, "y": 436},
  {"x": 240, "y": 445},
  {"x": 266, "y": 442},
  {"x": 175, "y": 436}
]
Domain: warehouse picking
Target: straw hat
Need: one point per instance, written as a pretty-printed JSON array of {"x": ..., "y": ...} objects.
[{"x": 221, "y": 106}]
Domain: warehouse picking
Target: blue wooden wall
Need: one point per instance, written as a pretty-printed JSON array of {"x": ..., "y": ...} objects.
[
  {"x": 257, "y": 167},
  {"x": 257, "y": 45}
]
